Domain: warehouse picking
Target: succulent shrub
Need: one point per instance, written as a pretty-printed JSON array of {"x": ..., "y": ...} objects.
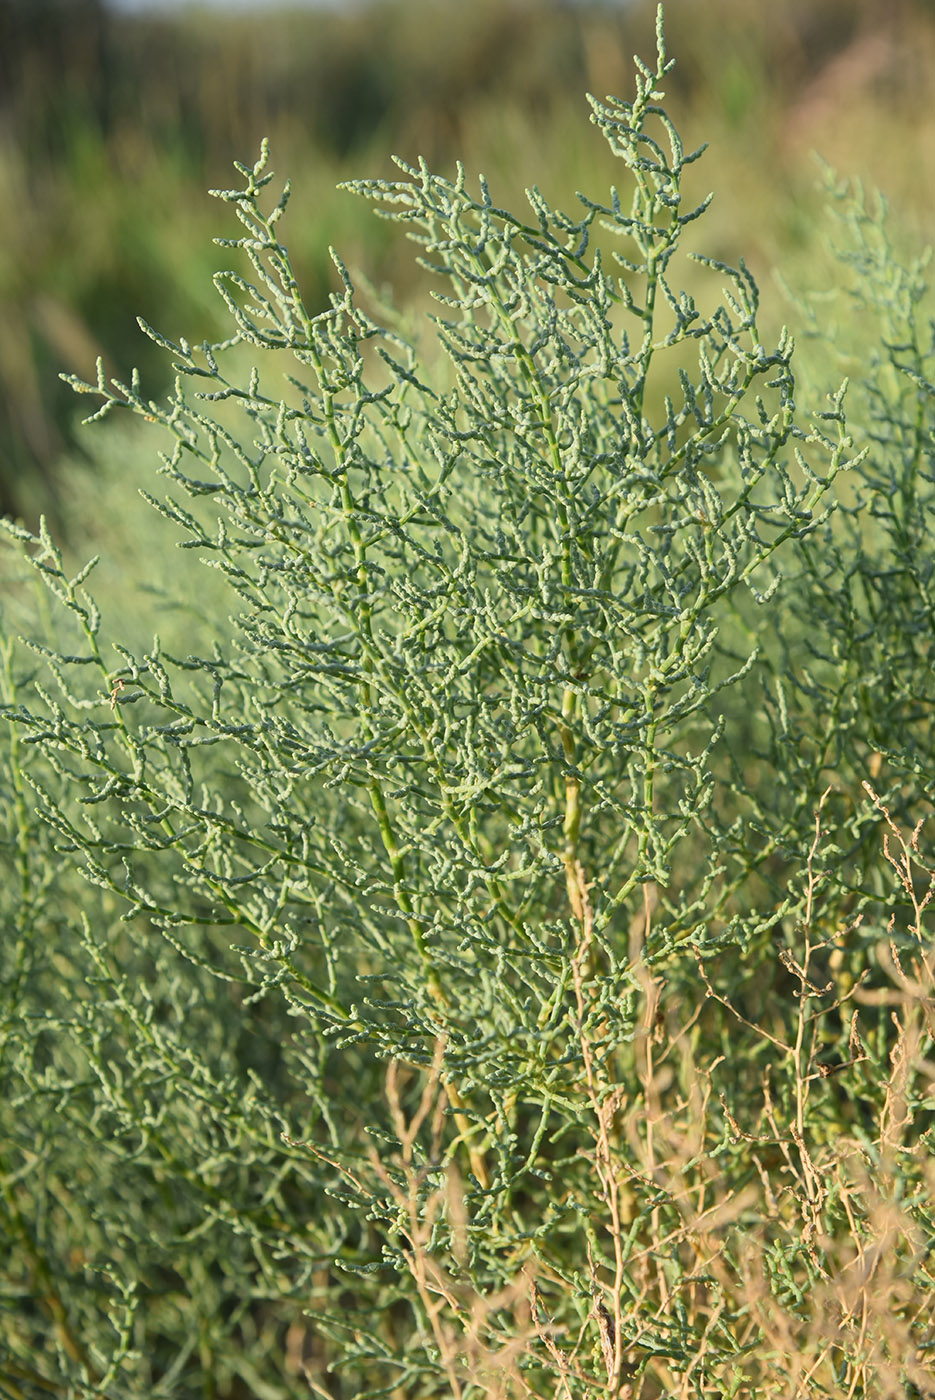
[{"x": 450, "y": 972}]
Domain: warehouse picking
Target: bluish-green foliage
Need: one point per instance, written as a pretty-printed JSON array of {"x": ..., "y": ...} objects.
[{"x": 439, "y": 970}]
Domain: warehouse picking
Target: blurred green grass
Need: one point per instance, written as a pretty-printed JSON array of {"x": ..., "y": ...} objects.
[{"x": 115, "y": 126}]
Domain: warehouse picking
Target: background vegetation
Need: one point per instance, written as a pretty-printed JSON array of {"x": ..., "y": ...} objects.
[{"x": 114, "y": 125}]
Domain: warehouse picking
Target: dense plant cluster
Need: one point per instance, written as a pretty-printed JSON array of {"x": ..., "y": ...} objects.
[{"x": 493, "y": 960}]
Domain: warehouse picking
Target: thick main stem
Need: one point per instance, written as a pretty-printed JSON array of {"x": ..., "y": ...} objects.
[{"x": 375, "y": 788}]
